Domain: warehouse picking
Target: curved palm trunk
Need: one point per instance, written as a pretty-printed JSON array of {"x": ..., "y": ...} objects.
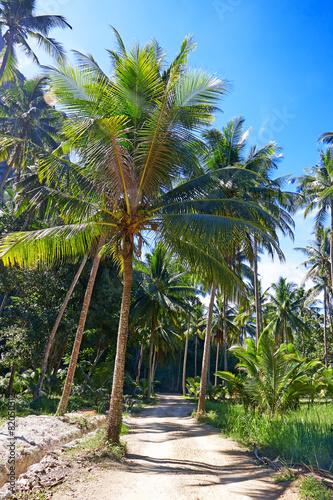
[
  {"x": 115, "y": 412},
  {"x": 11, "y": 380},
  {"x": 185, "y": 356},
  {"x": 196, "y": 355},
  {"x": 5, "y": 177},
  {"x": 55, "y": 328},
  {"x": 151, "y": 355},
  {"x": 256, "y": 291},
  {"x": 325, "y": 319},
  {"x": 5, "y": 57},
  {"x": 203, "y": 384},
  {"x": 139, "y": 364},
  {"x": 75, "y": 352},
  {"x": 3, "y": 303},
  {"x": 217, "y": 362},
  {"x": 154, "y": 367}
]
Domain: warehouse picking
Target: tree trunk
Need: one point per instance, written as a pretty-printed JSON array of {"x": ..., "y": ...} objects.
[
  {"x": 225, "y": 358},
  {"x": 185, "y": 356},
  {"x": 4, "y": 178},
  {"x": 75, "y": 352},
  {"x": 9, "y": 45},
  {"x": 329, "y": 304},
  {"x": 99, "y": 354},
  {"x": 115, "y": 412},
  {"x": 154, "y": 367},
  {"x": 256, "y": 291},
  {"x": 208, "y": 362},
  {"x": 179, "y": 366},
  {"x": 151, "y": 354},
  {"x": 55, "y": 328},
  {"x": 202, "y": 395},
  {"x": 325, "y": 319},
  {"x": 11, "y": 380},
  {"x": 57, "y": 363},
  {"x": 3, "y": 303},
  {"x": 217, "y": 362},
  {"x": 139, "y": 364},
  {"x": 196, "y": 355}
]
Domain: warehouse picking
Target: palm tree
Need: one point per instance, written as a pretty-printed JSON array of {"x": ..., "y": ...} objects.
[
  {"x": 50, "y": 341},
  {"x": 132, "y": 137},
  {"x": 18, "y": 23},
  {"x": 27, "y": 124},
  {"x": 319, "y": 271},
  {"x": 269, "y": 195},
  {"x": 162, "y": 290},
  {"x": 276, "y": 378},
  {"x": 326, "y": 137},
  {"x": 223, "y": 327},
  {"x": 282, "y": 311},
  {"x": 317, "y": 188},
  {"x": 225, "y": 149}
]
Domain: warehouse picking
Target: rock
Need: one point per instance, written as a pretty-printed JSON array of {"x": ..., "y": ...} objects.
[{"x": 37, "y": 435}]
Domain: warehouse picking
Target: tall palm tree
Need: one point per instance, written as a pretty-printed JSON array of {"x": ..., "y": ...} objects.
[
  {"x": 162, "y": 291},
  {"x": 227, "y": 149},
  {"x": 18, "y": 23},
  {"x": 282, "y": 311},
  {"x": 319, "y": 271},
  {"x": 317, "y": 187},
  {"x": 27, "y": 124},
  {"x": 269, "y": 195},
  {"x": 132, "y": 137}
]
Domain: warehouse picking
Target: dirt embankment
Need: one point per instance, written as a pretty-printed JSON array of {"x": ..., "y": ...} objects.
[{"x": 32, "y": 438}]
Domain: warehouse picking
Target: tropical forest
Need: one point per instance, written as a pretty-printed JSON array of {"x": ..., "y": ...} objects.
[{"x": 132, "y": 231}]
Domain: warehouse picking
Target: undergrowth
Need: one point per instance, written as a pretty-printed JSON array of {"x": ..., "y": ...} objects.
[
  {"x": 311, "y": 489},
  {"x": 94, "y": 446},
  {"x": 300, "y": 436}
]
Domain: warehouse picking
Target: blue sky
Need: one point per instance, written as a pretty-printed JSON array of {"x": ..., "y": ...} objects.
[{"x": 277, "y": 56}]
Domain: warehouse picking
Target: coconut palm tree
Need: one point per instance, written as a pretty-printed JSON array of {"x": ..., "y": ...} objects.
[
  {"x": 276, "y": 378},
  {"x": 18, "y": 24},
  {"x": 318, "y": 267},
  {"x": 161, "y": 291},
  {"x": 326, "y": 138},
  {"x": 225, "y": 149},
  {"x": 269, "y": 195},
  {"x": 317, "y": 188},
  {"x": 132, "y": 139},
  {"x": 27, "y": 124},
  {"x": 282, "y": 312}
]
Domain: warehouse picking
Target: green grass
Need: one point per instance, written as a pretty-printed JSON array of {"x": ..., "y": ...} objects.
[
  {"x": 311, "y": 489},
  {"x": 300, "y": 436},
  {"x": 94, "y": 447}
]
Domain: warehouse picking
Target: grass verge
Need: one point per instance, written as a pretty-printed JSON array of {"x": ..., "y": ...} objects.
[
  {"x": 311, "y": 489},
  {"x": 301, "y": 436}
]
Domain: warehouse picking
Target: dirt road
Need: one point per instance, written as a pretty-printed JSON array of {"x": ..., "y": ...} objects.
[{"x": 170, "y": 457}]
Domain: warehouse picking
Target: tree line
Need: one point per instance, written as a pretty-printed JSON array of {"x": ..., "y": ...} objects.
[{"x": 125, "y": 172}]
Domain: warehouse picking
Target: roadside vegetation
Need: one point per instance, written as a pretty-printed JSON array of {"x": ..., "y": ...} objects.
[
  {"x": 121, "y": 207},
  {"x": 302, "y": 436}
]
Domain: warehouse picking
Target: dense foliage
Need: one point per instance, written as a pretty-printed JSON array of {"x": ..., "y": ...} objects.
[{"x": 125, "y": 172}]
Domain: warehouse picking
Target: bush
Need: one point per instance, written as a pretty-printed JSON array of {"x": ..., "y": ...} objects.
[{"x": 311, "y": 489}]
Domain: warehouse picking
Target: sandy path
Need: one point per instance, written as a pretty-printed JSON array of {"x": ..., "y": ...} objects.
[{"x": 170, "y": 456}]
